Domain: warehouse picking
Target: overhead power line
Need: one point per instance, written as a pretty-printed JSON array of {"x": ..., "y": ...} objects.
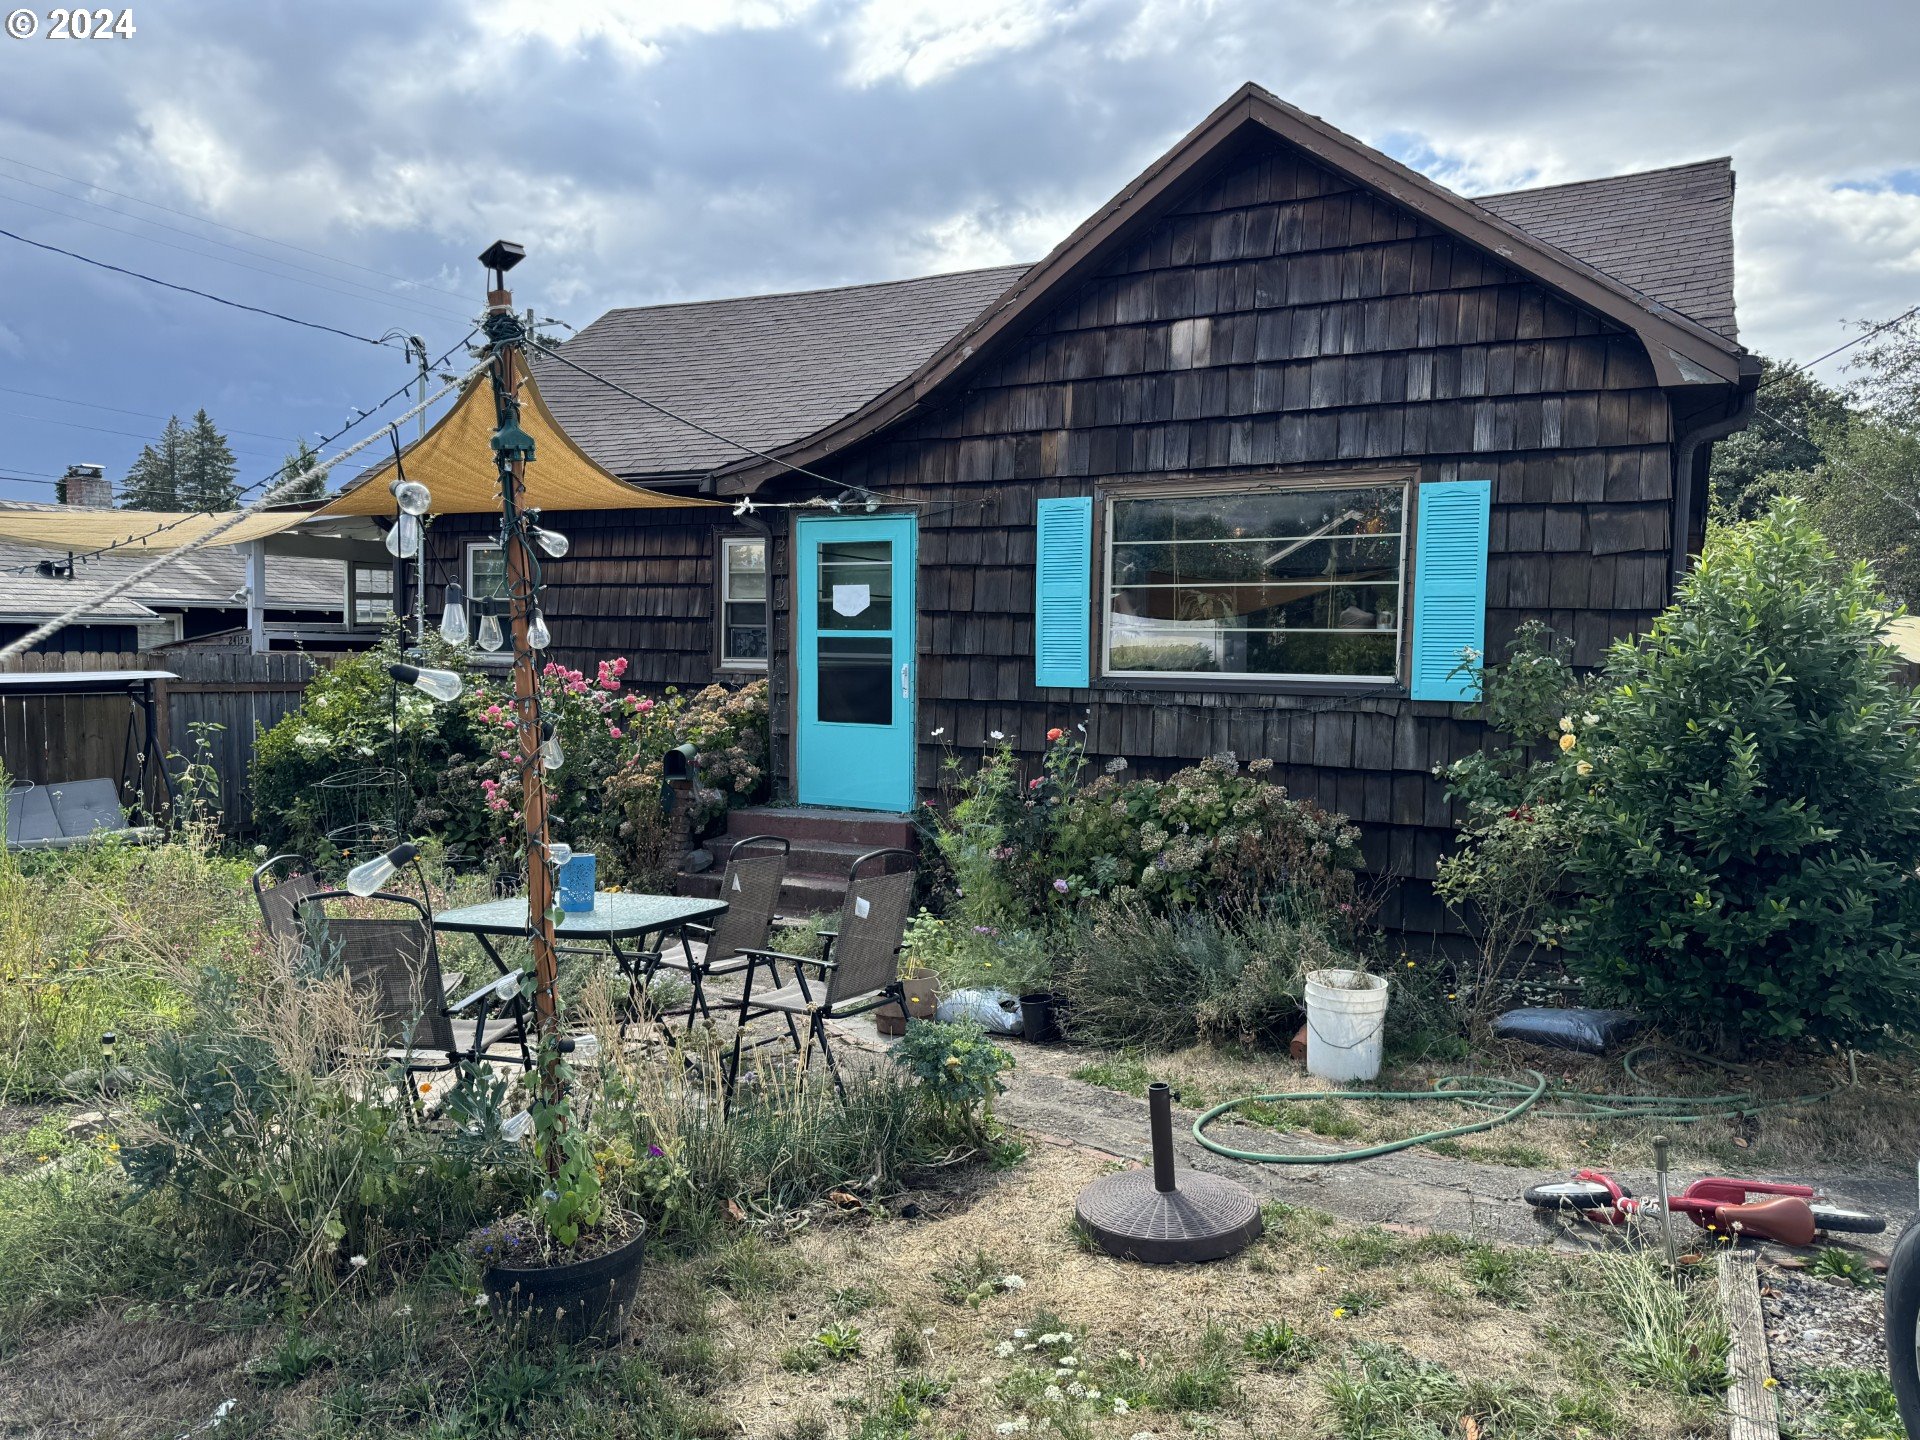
[
  {"x": 138, "y": 414},
  {"x": 1826, "y": 459},
  {"x": 189, "y": 290},
  {"x": 104, "y": 430},
  {"x": 222, "y": 225},
  {"x": 1821, "y": 359},
  {"x": 357, "y": 292}
]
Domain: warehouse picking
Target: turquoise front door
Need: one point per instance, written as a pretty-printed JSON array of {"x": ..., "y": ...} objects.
[{"x": 853, "y": 649}]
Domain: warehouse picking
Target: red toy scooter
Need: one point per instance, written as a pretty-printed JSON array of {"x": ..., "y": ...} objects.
[{"x": 1786, "y": 1213}]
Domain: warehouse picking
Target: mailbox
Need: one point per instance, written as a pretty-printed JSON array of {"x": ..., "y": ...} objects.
[{"x": 677, "y": 763}]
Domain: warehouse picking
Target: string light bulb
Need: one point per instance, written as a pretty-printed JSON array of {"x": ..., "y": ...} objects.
[
  {"x": 559, "y": 853},
  {"x": 412, "y": 497},
  {"x": 552, "y": 542},
  {"x": 491, "y": 637},
  {"x": 403, "y": 539},
  {"x": 538, "y": 635},
  {"x": 552, "y": 757},
  {"x": 453, "y": 619},
  {"x": 370, "y": 875},
  {"x": 440, "y": 684}
]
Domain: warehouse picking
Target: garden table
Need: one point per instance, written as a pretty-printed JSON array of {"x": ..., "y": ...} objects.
[{"x": 646, "y": 921}]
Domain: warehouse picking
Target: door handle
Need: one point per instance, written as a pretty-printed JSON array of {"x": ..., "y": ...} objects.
[{"x": 904, "y": 693}]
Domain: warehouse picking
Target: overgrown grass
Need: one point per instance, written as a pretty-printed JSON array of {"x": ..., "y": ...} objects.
[
  {"x": 1852, "y": 1405},
  {"x": 1672, "y": 1334}
]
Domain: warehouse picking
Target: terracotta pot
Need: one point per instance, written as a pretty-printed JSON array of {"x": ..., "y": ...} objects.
[{"x": 587, "y": 1301}]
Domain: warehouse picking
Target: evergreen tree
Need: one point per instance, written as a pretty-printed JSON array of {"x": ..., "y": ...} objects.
[
  {"x": 157, "y": 478},
  {"x": 210, "y": 478},
  {"x": 313, "y": 487}
]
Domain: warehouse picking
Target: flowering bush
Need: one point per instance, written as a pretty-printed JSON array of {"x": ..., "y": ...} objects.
[
  {"x": 959, "y": 1067},
  {"x": 460, "y": 762},
  {"x": 1747, "y": 792}
]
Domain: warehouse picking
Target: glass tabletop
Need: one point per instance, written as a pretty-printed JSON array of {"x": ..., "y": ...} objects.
[{"x": 612, "y": 915}]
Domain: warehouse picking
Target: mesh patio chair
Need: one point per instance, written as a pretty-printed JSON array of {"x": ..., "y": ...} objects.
[
  {"x": 751, "y": 888},
  {"x": 282, "y": 886},
  {"x": 391, "y": 959},
  {"x": 861, "y": 965}
]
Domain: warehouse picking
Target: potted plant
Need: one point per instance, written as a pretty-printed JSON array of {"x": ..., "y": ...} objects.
[
  {"x": 570, "y": 1266},
  {"x": 927, "y": 942}
]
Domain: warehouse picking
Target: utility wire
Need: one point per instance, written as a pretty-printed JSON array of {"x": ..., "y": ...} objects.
[
  {"x": 102, "y": 429},
  {"x": 167, "y": 557},
  {"x": 1827, "y": 459},
  {"x": 138, "y": 414},
  {"x": 189, "y": 290},
  {"x": 220, "y": 225},
  {"x": 364, "y": 293},
  {"x": 1819, "y": 359}
]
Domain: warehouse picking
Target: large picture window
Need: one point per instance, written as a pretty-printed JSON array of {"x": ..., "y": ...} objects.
[
  {"x": 1271, "y": 584},
  {"x": 743, "y": 603}
]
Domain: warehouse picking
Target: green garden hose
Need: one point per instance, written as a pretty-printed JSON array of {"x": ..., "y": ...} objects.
[{"x": 1511, "y": 1099}]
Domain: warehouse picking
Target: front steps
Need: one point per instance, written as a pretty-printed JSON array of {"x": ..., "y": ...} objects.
[{"x": 825, "y": 843}]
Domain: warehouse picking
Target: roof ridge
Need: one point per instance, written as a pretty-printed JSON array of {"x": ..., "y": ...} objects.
[
  {"x": 819, "y": 290},
  {"x": 1723, "y": 160}
]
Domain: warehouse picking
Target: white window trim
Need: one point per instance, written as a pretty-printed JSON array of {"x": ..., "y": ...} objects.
[
  {"x": 485, "y": 659},
  {"x": 732, "y": 662},
  {"x": 1401, "y": 619}
]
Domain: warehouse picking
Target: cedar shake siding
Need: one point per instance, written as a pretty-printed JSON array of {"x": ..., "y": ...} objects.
[{"x": 1278, "y": 320}]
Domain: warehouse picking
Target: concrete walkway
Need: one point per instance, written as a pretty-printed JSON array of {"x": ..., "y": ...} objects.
[{"x": 1413, "y": 1187}]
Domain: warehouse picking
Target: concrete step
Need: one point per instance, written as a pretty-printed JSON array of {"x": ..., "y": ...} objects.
[
  {"x": 868, "y": 829},
  {"x": 800, "y": 894}
]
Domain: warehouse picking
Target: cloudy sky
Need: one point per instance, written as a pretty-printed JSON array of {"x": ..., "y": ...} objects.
[{"x": 344, "y": 162}]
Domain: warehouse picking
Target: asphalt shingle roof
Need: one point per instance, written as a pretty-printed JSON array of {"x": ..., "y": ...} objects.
[
  {"x": 770, "y": 369},
  {"x": 1667, "y": 233},
  {"x": 764, "y": 369}
]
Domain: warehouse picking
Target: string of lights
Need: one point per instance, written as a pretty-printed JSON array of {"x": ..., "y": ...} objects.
[
  {"x": 167, "y": 557},
  {"x": 280, "y": 472}
]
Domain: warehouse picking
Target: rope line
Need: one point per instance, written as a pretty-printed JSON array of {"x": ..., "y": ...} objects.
[{"x": 167, "y": 557}]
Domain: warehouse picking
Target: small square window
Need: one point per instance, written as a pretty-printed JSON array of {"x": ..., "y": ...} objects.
[
  {"x": 486, "y": 572},
  {"x": 372, "y": 594},
  {"x": 743, "y": 603}
]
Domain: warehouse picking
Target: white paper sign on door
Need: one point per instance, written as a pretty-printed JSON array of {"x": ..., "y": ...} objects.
[{"x": 852, "y": 599}]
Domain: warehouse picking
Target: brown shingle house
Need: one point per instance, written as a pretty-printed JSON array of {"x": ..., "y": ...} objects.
[{"x": 1244, "y": 464}]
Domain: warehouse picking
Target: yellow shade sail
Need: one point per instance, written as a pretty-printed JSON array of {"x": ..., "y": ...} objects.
[
  {"x": 455, "y": 461},
  {"x": 133, "y": 530}
]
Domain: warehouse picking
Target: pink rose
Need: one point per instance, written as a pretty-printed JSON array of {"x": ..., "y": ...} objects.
[{"x": 614, "y": 731}]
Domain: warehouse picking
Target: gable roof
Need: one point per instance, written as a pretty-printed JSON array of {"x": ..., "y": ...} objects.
[
  {"x": 763, "y": 370},
  {"x": 1682, "y": 350},
  {"x": 1666, "y": 233}
]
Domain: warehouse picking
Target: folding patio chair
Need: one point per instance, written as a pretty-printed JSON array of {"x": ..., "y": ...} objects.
[
  {"x": 392, "y": 960},
  {"x": 751, "y": 888},
  {"x": 281, "y": 887},
  {"x": 862, "y": 965}
]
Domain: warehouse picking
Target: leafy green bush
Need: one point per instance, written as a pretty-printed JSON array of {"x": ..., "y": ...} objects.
[
  {"x": 1747, "y": 792},
  {"x": 956, "y": 1063},
  {"x": 1141, "y": 977}
]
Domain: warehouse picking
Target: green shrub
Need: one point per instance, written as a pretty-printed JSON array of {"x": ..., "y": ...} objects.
[
  {"x": 1139, "y": 977},
  {"x": 956, "y": 1064},
  {"x": 1750, "y": 825}
]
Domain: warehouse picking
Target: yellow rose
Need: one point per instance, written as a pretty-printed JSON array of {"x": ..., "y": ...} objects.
[
  {"x": 1568, "y": 741},
  {"x": 1583, "y": 768}
]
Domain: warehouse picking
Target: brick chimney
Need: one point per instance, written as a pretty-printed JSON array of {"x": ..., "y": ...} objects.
[{"x": 86, "y": 485}]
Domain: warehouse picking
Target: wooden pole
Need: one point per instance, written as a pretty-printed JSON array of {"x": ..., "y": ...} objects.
[{"x": 508, "y": 375}]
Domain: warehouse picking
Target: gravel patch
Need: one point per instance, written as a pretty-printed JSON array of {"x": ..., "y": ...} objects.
[{"x": 1815, "y": 1324}]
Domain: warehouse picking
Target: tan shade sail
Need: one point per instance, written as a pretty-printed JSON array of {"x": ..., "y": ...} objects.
[
  {"x": 455, "y": 461},
  {"x": 77, "y": 529}
]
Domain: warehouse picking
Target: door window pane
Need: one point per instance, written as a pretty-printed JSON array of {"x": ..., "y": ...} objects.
[
  {"x": 743, "y": 602},
  {"x": 856, "y": 585},
  {"x": 1268, "y": 583},
  {"x": 855, "y": 680}
]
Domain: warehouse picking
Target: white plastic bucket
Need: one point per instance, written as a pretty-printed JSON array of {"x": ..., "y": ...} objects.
[{"x": 1346, "y": 1017}]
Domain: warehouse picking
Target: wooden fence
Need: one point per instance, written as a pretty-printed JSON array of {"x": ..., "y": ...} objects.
[{"x": 49, "y": 738}]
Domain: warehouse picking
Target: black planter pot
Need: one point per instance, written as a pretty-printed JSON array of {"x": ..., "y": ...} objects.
[
  {"x": 584, "y": 1302},
  {"x": 1037, "y": 1019}
]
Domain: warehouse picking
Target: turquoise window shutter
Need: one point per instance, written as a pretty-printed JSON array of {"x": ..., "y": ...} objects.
[
  {"x": 1062, "y": 591},
  {"x": 1450, "y": 587}
]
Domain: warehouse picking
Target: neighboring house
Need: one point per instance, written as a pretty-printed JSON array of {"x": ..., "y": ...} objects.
[
  {"x": 1245, "y": 464},
  {"x": 198, "y": 598}
]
